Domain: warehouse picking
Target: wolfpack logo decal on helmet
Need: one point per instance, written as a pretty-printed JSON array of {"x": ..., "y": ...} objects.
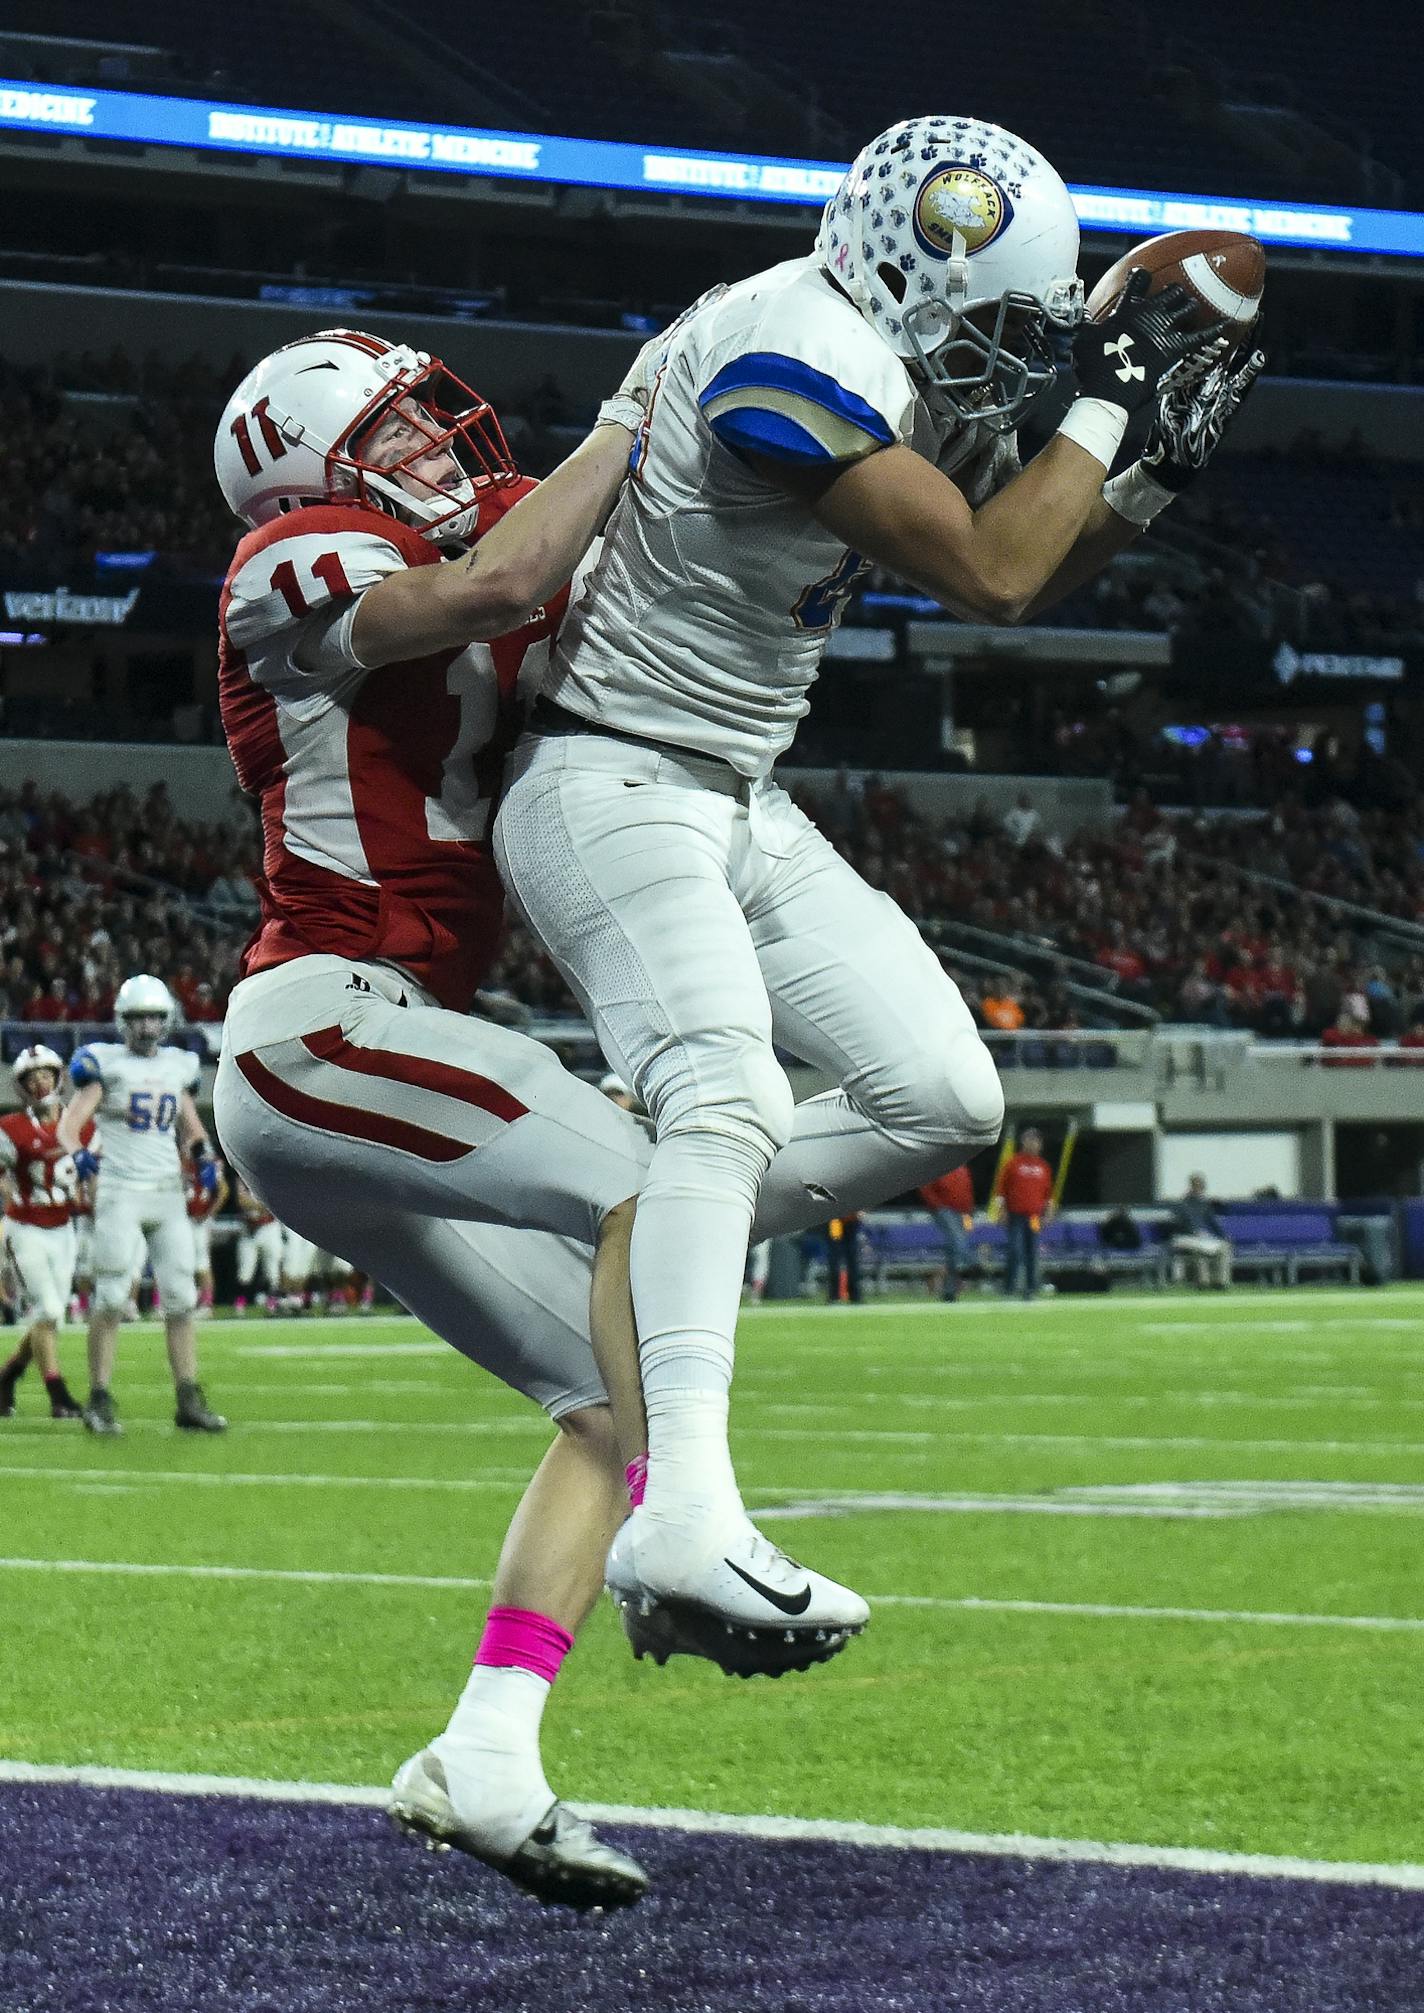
[
  {"x": 958, "y": 243},
  {"x": 960, "y": 202}
]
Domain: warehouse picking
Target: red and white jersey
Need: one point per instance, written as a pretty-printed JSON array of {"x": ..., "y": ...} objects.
[
  {"x": 42, "y": 1176},
  {"x": 201, "y": 1202},
  {"x": 377, "y": 787}
]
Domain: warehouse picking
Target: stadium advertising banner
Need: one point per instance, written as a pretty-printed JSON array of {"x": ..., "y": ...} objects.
[
  {"x": 1264, "y": 674},
  {"x": 546, "y": 157},
  {"x": 30, "y": 607}
]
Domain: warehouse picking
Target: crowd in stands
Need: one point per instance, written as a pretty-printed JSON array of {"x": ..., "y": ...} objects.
[
  {"x": 1161, "y": 910},
  {"x": 91, "y": 894},
  {"x": 1155, "y": 911},
  {"x": 111, "y": 453},
  {"x": 105, "y": 452}
]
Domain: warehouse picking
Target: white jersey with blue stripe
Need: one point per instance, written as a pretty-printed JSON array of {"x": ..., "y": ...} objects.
[
  {"x": 704, "y": 621},
  {"x": 139, "y": 1109}
]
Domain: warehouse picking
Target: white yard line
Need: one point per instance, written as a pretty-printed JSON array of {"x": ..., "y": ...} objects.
[
  {"x": 132, "y": 1569},
  {"x": 817, "y": 1830},
  {"x": 1126, "y": 1401},
  {"x": 495, "y": 1479},
  {"x": 278, "y": 1352},
  {"x": 830, "y": 1435},
  {"x": 1112, "y": 1611},
  {"x": 1157, "y": 1500},
  {"x": 973, "y": 1603}
]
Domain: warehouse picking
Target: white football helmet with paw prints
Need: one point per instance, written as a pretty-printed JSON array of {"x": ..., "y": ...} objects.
[
  {"x": 37, "y": 1056},
  {"x": 958, "y": 242},
  {"x": 294, "y": 431}
]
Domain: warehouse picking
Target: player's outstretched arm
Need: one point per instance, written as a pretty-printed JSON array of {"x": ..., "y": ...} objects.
[
  {"x": 524, "y": 560},
  {"x": 992, "y": 563},
  {"x": 77, "y": 1114},
  {"x": 986, "y": 565}
]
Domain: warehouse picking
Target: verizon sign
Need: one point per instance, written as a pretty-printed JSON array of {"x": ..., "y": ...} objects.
[{"x": 83, "y": 611}]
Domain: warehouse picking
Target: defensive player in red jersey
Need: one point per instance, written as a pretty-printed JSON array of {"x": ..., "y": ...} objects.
[
  {"x": 38, "y": 1177},
  {"x": 355, "y": 1095}
]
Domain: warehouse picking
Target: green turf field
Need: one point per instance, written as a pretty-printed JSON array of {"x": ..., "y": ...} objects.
[{"x": 1244, "y": 1457}]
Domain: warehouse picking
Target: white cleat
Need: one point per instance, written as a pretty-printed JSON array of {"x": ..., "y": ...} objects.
[
  {"x": 561, "y": 1859},
  {"x": 728, "y": 1595}
]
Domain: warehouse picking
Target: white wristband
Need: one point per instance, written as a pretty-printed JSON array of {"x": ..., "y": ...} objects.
[
  {"x": 1097, "y": 426},
  {"x": 1137, "y": 495}
]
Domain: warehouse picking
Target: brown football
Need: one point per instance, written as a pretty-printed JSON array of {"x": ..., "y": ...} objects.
[{"x": 1224, "y": 271}]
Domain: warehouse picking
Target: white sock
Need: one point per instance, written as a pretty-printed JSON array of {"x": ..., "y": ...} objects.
[
  {"x": 688, "y": 1253},
  {"x": 490, "y": 1752}
]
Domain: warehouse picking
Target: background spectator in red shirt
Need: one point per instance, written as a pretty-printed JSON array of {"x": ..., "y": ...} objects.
[
  {"x": 1025, "y": 1188},
  {"x": 950, "y": 1202},
  {"x": 1413, "y": 1038},
  {"x": 1347, "y": 1033}
]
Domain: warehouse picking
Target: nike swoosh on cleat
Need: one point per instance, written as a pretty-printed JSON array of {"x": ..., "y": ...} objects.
[{"x": 789, "y": 1604}]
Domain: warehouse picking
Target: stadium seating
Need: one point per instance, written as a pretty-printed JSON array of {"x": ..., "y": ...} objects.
[{"x": 1283, "y": 1242}]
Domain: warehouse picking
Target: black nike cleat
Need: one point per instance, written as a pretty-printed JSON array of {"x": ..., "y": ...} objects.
[
  {"x": 62, "y": 1402},
  {"x": 193, "y": 1414},
  {"x": 563, "y": 1859},
  {"x": 101, "y": 1415}
]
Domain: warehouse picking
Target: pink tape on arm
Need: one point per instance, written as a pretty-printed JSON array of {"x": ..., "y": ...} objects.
[{"x": 519, "y": 1637}]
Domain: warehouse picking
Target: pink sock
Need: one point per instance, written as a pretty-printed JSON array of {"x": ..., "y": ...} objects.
[
  {"x": 528, "y": 1641},
  {"x": 637, "y": 1473}
]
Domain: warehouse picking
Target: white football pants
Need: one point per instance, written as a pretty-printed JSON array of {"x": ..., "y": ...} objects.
[
  {"x": 259, "y": 1247},
  {"x": 698, "y": 921},
  {"x": 43, "y": 1263},
  {"x": 127, "y": 1218},
  {"x": 410, "y": 1141},
  {"x": 698, "y": 918}
]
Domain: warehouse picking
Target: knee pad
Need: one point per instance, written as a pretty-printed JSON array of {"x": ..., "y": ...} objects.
[
  {"x": 111, "y": 1292},
  {"x": 948, "y": 1093},
  {"x": 729, "y": 1086},
  {"x": 178, "y": 1296}
]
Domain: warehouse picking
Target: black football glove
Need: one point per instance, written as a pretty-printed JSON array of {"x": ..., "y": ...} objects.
[
  {"x": 1195, "y": 405},
  {"x": 1123, "y": 358}
]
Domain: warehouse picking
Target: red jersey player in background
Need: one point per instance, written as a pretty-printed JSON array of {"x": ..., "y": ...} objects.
[
  {"x": 1024, "y": 1187},
  {"x": 950, "y": 1202},
  {"x": 39, "y": 1181},
  {"x": 204, "y": 1201},
  {"x": 259, "y": 1244}
]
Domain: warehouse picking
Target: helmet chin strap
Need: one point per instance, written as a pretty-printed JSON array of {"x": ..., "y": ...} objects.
[{"x": 428, "y": 518}]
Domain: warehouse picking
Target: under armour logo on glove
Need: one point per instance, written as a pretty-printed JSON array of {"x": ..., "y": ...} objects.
[{"x": 1128, "y": 370}]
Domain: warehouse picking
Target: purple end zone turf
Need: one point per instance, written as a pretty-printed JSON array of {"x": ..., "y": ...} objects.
[{"x": 123, "y": 1901}]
